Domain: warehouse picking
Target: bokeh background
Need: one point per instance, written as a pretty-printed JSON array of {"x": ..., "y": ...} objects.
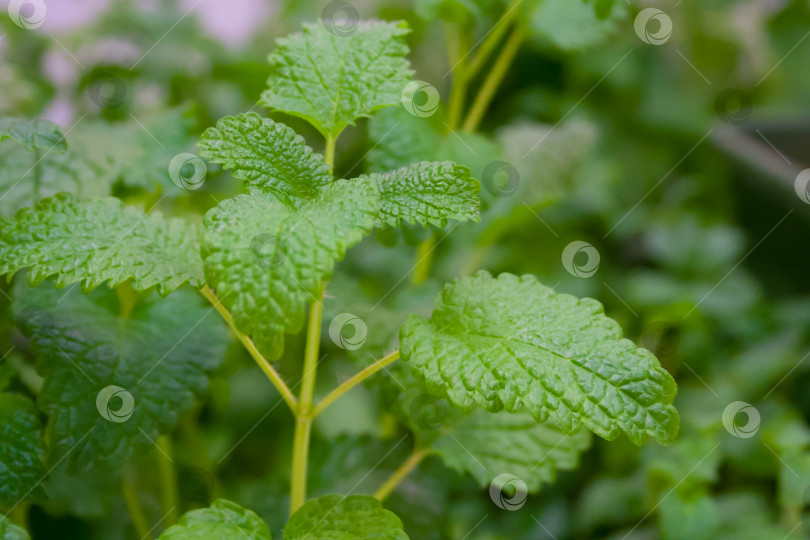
[{"x": 655, "y": 164}]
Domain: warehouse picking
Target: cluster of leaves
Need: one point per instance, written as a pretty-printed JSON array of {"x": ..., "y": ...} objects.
[{"x": 499, "y": 374}]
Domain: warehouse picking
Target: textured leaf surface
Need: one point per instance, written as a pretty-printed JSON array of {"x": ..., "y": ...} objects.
[
  {"x": 223, "y": 520},
  {"x": 159, "y": 355},
  {"x": 427, "y": 193},
  {"x": 332, "y": 80},
  {"x": 266, "y": 261},
  {"x": 21, "y": 446},
  {"x": 267, "y": 155},
  {"x": 33, "y": 134},
  {"x": 9, "y": 531},
  {"x": 487, "y": 445},
  {"x": 511, "y": 343},
  {"x": 335, "y": 517},
  {"x": 98, "y": 240}
]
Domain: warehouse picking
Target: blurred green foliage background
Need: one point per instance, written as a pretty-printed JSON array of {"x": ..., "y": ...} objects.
[{"x": 676, "y": 161}]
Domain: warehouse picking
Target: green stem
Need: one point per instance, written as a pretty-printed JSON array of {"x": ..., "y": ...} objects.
[
  {"x": 329, "y": 153},
  {"x": 19, "y": 514},
  {"x": 486, "y": 48},
  {"x": 135, "y": 509},
  {"x": 37, "y": 174},
  {"x": 354, "y": 381},
  {"x": 298, "y": 477},
  {"x": 27, "y": 373},
  {"x": 404, "y": 470},
  {"x": 126, "y": 299},
  {"x": 456, "y": 43},
  {"x": 303, "y": 420},
  {"x": 424, "y": 259},
  {"x": 493, "y": 80},
  {"x": 265, "y": 366},
  {"x": 168, "y": 484}
]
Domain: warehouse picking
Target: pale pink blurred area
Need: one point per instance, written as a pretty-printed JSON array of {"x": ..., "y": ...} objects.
[
  {"x": 66, "y": 15},
  {"x": 233, "y": 22},
  {"x": 60, "y": 68},
  {"x": 61, "y": 112}
]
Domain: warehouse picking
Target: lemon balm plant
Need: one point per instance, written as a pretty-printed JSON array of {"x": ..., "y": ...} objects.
[{"x": 529, "y": 372}]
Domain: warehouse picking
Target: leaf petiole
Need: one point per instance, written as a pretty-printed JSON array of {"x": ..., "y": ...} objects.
[
  {"x": 265, "y": 366},
  {"x": 402, "y": 471},
  {"x": 354, "y": 381}
]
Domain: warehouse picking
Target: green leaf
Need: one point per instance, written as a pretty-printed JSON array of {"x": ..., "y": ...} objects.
[
  {"x": 573, "y": 24},
  {"x": 331, "y": 80},
  {"x": 487, "y": 445},
  {"x": 21, "y": 446},
  {"x": 427, "y": 193},
  {"x": 223, "y": 520},
  {"x": 602, "y": 8},
  {"x": 136, "y": 152},
  {"x": 546, "y": 158},
  {"x": 9, "y": 531},
  {"x": 113, "y": 382},
  {"x": 26, "y": 178},
  {"x": 267, "y": 155},
  {"x": 98, "y": 240},
  {"x": 33, "y": 134},
  {"x": 688, "y": 515},
  {"x": 335, "y": 517},
  {"x": 267, "y": 261},
  {"x": 511, "y": 343},
  {"x": 400, "y": 138}
]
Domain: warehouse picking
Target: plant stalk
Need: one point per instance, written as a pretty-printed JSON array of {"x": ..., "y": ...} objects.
[
  {"x": 168, "y": 483},
  {"x": 457, "y": 41},
  {"x": 354, "y": 381},
  {"x": 424, "y": 259},
  {"x": 404, "y": 470},
  {"x": 329, "y": 153},
  {"x": 135, "y": 509},
  {"x": 265, "y": 366},
  {"x": 303, "y": 415},
  {"x": 493, "y": 80},
  {"x": 486, "y": 48}
]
